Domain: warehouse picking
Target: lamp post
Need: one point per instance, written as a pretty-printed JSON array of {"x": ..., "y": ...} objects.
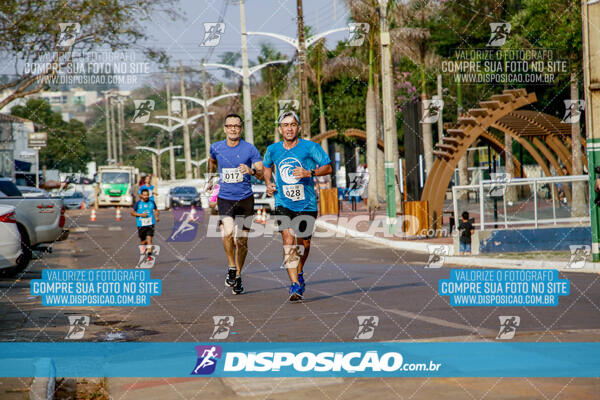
[
  {"x": 205, "y": 104},
  {"x": 301, "y": 45},
  {"x": 248, "y": 128},
  {"x": 156, "y": 153}
]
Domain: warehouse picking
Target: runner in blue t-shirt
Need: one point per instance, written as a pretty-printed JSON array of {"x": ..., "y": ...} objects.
[
  {"x": 237, "y": 160},
  {"x": 296, "y": 162},
  {"x": 146, "y": 214}
]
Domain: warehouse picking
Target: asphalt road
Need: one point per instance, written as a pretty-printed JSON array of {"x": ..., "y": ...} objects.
[{"x": 346, "y": 278}]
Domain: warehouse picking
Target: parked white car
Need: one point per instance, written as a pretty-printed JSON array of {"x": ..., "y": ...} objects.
[{"x": 10, "y": 239}]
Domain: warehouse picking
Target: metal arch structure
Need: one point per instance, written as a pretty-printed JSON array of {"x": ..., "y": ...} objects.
[
  {"x": 356, "y": 133},
  {"x": 471, "y": 125}
]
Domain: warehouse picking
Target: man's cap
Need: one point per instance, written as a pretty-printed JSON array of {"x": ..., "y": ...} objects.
[{"x": 289, "y": 114}]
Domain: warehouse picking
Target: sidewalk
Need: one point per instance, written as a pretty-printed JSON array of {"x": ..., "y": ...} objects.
[{"x": 356, "y": 225}]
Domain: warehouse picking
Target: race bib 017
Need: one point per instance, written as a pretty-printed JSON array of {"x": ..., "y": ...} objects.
[
  {"x": 146, "y": 221},
  {"x": 294, "y": 192},
  {"x": 231, "y": 175}
]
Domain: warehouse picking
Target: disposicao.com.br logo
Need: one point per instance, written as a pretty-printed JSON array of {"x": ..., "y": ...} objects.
[{"x": 313, "y": 363}]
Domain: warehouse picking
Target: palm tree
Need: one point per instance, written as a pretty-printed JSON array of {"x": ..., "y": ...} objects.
[
  {"x": 412, "y": 39},
  {"x": 274, "y": 78},
  {"x": 366, "y": 11},
  {"x": 322, "y": 69}
]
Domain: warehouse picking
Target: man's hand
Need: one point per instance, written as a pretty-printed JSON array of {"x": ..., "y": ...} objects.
[
  {"x": 144, "y": 215},
  {"x": 244, "y": 169},
  {"x": 300, "y": 172},
  {"x": 271, "y": 188}
]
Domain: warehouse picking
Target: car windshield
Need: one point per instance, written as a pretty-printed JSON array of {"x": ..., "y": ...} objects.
[
  {"x": 115, "y": 177},
  {"x": 185, "y": 190},
  {"x": 75, "y": 195}
]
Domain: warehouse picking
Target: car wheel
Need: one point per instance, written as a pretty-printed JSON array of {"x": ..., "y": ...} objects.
[{"x": 26, "y": 253}]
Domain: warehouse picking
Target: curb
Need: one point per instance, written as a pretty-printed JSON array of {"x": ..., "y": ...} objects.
[
  {"x": 420, "y": 247},
  {"x": 44, "y": 383},
  {"x": 408, "y": 245}
]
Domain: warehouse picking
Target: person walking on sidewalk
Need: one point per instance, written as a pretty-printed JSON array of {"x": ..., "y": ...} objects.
[
  {"x": 297, "y": 163},
  {"x": 465, "y": 227},
  {"x": 236, "y": 160}
]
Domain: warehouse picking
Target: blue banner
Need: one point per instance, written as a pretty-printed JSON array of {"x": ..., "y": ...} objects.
[
  {"x": 234, "y": 359},
  {"x": 506, "y": 287}
]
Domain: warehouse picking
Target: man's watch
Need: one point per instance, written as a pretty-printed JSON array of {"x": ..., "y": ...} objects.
[
  {"x": 312, "y": 173},
  {"x": 253, "y": 171}
]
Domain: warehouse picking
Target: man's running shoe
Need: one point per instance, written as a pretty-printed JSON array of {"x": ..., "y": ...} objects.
[
  {"x": 237, "y": 287},
  {"x": 302, "y": 284},
  {"x": 230, "y": 279},
  {"x": 295, "y": 294}
]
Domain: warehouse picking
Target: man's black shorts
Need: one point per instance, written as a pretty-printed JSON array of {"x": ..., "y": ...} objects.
[
  {"x": 144, "y": 231},
  {"x": 301, "y": 222},
  {"x": 237, "y": 208}
]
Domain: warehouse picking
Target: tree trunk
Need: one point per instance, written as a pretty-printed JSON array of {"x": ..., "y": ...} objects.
[
  {"x": 323, "y": 128},
  {"x": 463, "y": 177},
  {"x": 380, "y": 154},
  {"x": 579, "y": 208},
  {"x": 427, "y": 139},
  {"x": 511, "y": 191},
  {"x": 371, "y": 116}
]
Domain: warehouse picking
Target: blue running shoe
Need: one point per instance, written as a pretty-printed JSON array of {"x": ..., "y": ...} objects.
[
  {"x": 295, "y": 294},
  {"x": 301, "y": 281}
]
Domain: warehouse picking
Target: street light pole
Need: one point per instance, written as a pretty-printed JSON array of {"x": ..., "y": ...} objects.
[
  {"x": 107, "y": 117},
  {"x": 171, "y": 144},
  {"x": 113, "y": 129},
  {"x": 590, "y": 12},
  {"x": 388, "y": 114},
  {"x": 121, "y": 126},
  {"x": 206, "y": 123},
  {"x": 205, "y": 104},
  {"x": 302, "y": 81},
  {"x": 186, "y": 130},
  {"x": 249, "y": 130}
]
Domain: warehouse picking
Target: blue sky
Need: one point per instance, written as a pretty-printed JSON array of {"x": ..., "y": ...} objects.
[{"x": 181, "y": 39}]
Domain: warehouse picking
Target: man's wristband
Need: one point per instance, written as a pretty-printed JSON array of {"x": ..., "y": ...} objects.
[
  {"x": 253, "y": 171},
  {"x": 313, "y": 173}
]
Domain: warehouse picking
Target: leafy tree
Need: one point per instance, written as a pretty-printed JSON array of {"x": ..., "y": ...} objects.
[
  {"x": 31, "y": 34},
  {"x": 67, "y": 148}
]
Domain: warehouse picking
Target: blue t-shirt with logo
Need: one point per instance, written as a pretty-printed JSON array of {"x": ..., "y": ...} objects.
[
  {"x": 141, "y": 207},
  {"x": 293, "y": 193},
  {"x": 233, "y": 184}
]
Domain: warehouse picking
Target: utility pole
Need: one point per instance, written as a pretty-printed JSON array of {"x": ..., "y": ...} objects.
[
  {"x": 388, "y": 113},
  {"x": 248, "y": 129},
  {"x": 171, "y": 143},
  {"x": 114, "y": 131},
  {"x": 590, "y": 13},
  {"x": 186, "y": 130},
  {"x": 121, "y": 125},
  {"x": 107, "y": 117},
  {"x": 302, "y": 80},
  {"x": 206, "y": 123}
]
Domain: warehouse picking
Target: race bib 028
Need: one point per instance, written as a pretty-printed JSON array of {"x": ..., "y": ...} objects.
[
  {"x": 231, "y": 175},
  {"x": 294, "y": 192}
]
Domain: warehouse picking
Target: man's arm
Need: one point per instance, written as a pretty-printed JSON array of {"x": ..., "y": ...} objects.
[
  {"x": 268, "y": 174},
  {"x": 212, "y": 165},
  {"x": 259, "y": 174},
  {"x": 323, "y": 170}
]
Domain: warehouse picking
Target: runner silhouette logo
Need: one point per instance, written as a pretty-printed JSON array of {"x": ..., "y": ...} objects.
[{"x": 207, "y": 359}]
